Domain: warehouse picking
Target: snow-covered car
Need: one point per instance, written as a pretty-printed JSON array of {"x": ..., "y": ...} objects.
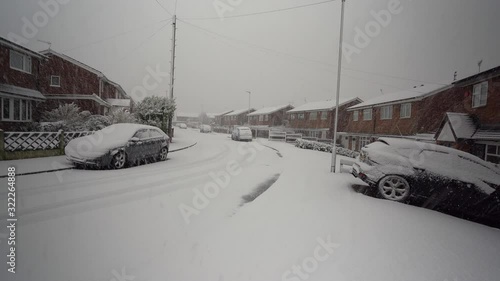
[
  {"x": 205, "y": 129},
  {"x": 119, "y": 145},
  {"x": 432, "y": 175},
  {"x": 241, "y": 133},
  {"x": 183, "y": 126}
]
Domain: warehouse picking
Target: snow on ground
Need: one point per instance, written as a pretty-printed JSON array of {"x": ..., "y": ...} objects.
[{"x": 309, "y": 225}]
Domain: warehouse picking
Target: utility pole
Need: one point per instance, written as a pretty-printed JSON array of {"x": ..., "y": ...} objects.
[
  {"x": 249, "y": 94},
  {"x": 334, "y": 148},
  {"x": 172, "y": 72}
]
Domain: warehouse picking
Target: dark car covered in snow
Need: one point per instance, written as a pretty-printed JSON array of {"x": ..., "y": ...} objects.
[
  {"x": 119, "y": 145},
  {"x": 433, "y": 176}
]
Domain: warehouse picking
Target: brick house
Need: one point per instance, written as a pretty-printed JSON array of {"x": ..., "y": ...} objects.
[
  {"x": 66, "y": 80},
  {"x": 269, "y": 116},
  {"x": 236, "y": 117},
  {"x": 316, "y": 119},
  {"x": 19, "y": 84},
  {"x": 218, "y": 117},
  {"x": 474, "y": 125},
  {"x": 415, "y": 113}
]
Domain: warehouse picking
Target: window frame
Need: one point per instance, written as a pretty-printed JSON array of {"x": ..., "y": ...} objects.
[
  {"x": 480, "y": 94},
  {"x": 386, "y": 112},
  {"x": 324, "y": 115},
  {"x": 355, "y": 116},
  {"x": 488, "y": 154},
  {"x": 311, "y": 114},
  {"x": 408, "y": 107},
  {"x": 26, "y": 61},
  {"x": 25, "y": 110},
  {"x": 301, "y": 116},
  {"x": 370, "y": 110},
  {"x": 51, "y": 81}
]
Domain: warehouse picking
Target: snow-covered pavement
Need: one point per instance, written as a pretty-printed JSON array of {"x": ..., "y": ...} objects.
[{"x": 185, "y": 219}]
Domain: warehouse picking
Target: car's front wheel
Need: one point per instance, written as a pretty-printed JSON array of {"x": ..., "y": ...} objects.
[
  {"x": 163, "y": 154},
  {"x": 118, "y": 160},
  {"x": 394, "y": 188}
]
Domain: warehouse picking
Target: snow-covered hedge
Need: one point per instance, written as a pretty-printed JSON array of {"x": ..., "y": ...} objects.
[{"x": 326, "y": 147}]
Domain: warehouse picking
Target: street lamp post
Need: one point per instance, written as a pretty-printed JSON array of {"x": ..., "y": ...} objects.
[
  {"x": 334, "y": 148},
  {"x": 249, "y": 94}
]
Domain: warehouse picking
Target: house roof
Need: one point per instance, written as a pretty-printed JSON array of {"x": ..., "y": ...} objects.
[
  {"x": 415, "y": 93},
  {"x": 20, "y": 48},
  {"x": 119, "y": 102},
  {"x": 322, "y": 105},
  {"x": 462, "y": 125},
  {"x": 491, "y": 132},
  {"x": 268, "y": 110},
  {"x": 74, "y": 61},
  {"x": 239, "y": 112},
  {"x": 222, "y": 113},
  {"x": 188, "y": 115},
  {"x": 23, "y": 92},
  {"x": 487, "y": 74},
  {"x": 93, "y": 97}
]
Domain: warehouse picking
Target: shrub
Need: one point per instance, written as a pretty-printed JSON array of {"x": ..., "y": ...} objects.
[{"x": 326, "y": 147}]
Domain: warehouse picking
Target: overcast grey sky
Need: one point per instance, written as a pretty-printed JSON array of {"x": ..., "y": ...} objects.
[{"x": 283, "y": 57}]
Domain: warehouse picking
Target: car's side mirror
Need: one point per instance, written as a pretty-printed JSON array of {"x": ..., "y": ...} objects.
[{"x": 134, "y": 139}]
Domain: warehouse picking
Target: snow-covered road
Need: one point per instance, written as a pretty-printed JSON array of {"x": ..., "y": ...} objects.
[{"x": 185, "y": 219}]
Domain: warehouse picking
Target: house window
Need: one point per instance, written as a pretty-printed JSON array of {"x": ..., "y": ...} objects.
[
  {"x": 261, "y": 118},
  {"x": 292, "y": 116},
  {"x": 367, "y": 114},
  {"x": 16, "y": 110},
  {"x": 386, "y": 112},
  {"x": 20, "y": 62},
  {"x": 300, "y": 116},
  {"x": 480, "y": 94},
  {"x": 266, "y": 118},
  {"x": 313, "y": 116},
  {"x": 355, "y": 115},
  {"x": 324, "y": 115},
  {"x": 493, "y": 153},
  {"x": 55, "y": 81},
  {"x": 405, "y": 111}
]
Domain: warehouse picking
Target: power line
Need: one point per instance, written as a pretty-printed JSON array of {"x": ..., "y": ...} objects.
[
  {"x": 311, "y": 60},
  {"x": 165, "y": 9},
  {"x": 264, "y": 12},
  {"x": 113, "y": 36}
]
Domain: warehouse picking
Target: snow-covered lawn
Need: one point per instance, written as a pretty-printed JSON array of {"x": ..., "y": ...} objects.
[{"x": 309, "y": 225}]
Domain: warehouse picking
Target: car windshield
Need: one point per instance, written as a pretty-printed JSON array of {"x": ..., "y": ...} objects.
[{"x": 250, "y": 140}]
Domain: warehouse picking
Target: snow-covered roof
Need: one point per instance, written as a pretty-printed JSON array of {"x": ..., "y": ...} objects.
[
  {"x": 268, "y": 110},
  {"x": 239, "y": 111},
  {"x": 322, "y": 105},
  {"x": 403, "y": 96},
  {"x": 187, "y": 115},
  {"x": 19, "y": 91},
  {"x": 93, "y": 97},
  {"x": 119, "y": 102},
  {"x": 222, "y": 113},
  {"x": 20, "y": 48},
  {"x": 73, "y": 61},
  {"x": 461, "y": 124}
]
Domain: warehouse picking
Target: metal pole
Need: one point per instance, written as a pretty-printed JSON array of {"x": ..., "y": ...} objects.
[
  {"x": 172, "y": 70},
  {"x": 334, "y": 148}
]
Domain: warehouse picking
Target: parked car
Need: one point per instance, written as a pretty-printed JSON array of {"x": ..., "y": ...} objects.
[
  {"x": 433, "y": 176},
  {"x": 182, "y": 126},
  {"x": 119, "y": 145},
  {"x": 205, "y": 129},
  {"x": 241, "y": 133}
]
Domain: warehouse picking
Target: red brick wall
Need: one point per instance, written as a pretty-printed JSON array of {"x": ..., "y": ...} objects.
[
  {"x": 487, "y": 114},
  {"x": 426, "y": 116},
  {"x": 74, "y": 79},
  {"x": 274, "y": 119},
  {"x": 15, "y": 77},
  {"x": 108, "y": 91},
  {"x": 328, "y": 123}
]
